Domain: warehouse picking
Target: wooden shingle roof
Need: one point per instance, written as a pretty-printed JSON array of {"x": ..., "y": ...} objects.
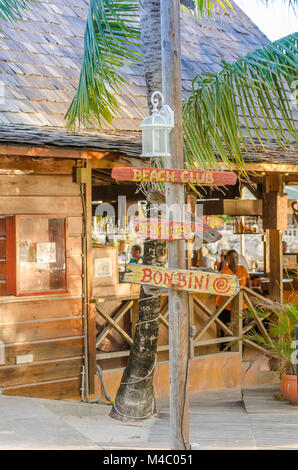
[{"x": 40, "y": 59}]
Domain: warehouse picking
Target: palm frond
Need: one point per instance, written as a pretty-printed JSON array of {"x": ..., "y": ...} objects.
[
  {"x": 291, "y": 3},
  {"x": 11, "y": 10},
  {"x": 204, "y": 8},
  {"x": 112, "y": 38},
  {"x": 248, "y": 103}
]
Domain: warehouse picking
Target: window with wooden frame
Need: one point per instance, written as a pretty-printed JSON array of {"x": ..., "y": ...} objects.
[{"x": 36, "y": 254}]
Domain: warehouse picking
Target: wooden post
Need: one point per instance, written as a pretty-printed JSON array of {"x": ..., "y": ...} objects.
[
  {"x": 276, "y": 267},
  {"x": 266, "y": 253},
  {"x": 178, "y": 305},
  {"x": 274, "y": 184},
  {"x": 191, "y": 201},
  {"x": 91, "y": 307},
  {"x": 237, "y": 321}
]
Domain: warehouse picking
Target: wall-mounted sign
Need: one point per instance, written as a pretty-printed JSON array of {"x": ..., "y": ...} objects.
[
  {"x": 161, "y": 175},
  {"x": 102, "y": 267},
  {"x": 170, "y": 230},
  {"x": 46, "y": 252},
  {"x": 185, "y": 280}
]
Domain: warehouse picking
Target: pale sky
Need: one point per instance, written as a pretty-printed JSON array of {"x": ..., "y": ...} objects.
[{"x": 276, "y": 20}]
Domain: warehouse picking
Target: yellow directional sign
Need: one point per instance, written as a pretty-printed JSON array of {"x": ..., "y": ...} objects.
[{"x": 185, "y": 280}]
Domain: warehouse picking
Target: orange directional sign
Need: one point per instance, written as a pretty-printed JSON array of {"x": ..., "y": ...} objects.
[
  {"x": 161, "y": 175},
  {"x": 169, "y": 230},
  {"x": 185, "y": 280}
]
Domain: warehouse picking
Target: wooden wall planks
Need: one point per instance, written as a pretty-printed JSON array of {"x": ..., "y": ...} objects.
[
  {"x": 48, "y": 327},
  {"x": 60, "y": 205},
  {"x": 45, "y": 350},
  {"x": 40, "y": 372},
  {"x": 56, "y": 390},
  {"x": 38, "y": 185},
  {"x": 57, "y": 328},
  {"x": 34, "y": 310},
  {"x": 38, "y": 166}
]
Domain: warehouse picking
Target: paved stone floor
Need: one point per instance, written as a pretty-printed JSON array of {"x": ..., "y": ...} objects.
[{"x": 226, "y": 419}]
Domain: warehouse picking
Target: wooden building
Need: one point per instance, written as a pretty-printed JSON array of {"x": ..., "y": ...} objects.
[{"x": 49, "y": 328}]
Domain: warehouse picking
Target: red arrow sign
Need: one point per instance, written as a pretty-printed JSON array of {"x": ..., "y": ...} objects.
[
  {"x": 170, "y": 230},
  {"x": 161, "y": 175}
]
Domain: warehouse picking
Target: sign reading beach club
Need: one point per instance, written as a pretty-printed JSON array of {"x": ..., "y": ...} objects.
[
  {"x": 162, "y": 175},
  {"x": 185, "y": 280}
]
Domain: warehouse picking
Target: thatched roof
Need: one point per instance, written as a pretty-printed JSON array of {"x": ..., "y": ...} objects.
[{"x": 40, "y": 59}]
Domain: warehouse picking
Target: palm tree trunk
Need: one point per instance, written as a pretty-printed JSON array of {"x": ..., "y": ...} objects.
[
  {"x": 135, "y": 396},
  {"x": 151, "y": 45}
]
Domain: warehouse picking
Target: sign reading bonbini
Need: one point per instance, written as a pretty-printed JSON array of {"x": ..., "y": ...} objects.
[
  {"x": 185, "y": 280},
  {"x": 169, "y": 230},
  {"x": 161, "y": 175}
]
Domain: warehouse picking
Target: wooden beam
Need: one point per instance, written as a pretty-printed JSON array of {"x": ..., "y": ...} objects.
[
  {"x": 209, "y": 313},
  {"x": 212, "y": 318},
  {"x": 91, "y": 319},
  {"x": 57, "y": 152},
  {"x": 266, "y": 253},
  {"x": 236, "y": 321},
  {"x": 263, "y": 167},
  {"x": 257, "y": 319},
  {"x": 273, "y": 183},
  {"x": 233, "y": 207},
  {"x": 115, "y": 326},
  {"x": 178, "y": 305},
  {"x": 276, "y": 265},
  {"x": 207, "y": 342},
  {"x": 122, "y": 311},
  {"x": 114, "y": 160},
  {"x": 258, "y": 296}
]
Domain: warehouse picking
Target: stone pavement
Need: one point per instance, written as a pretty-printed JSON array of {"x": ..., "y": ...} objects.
[{"x": 225, "y": 419}]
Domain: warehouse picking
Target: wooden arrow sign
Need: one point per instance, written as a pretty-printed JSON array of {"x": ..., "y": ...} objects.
[
  {"x": 169, "y": 230},
  {"x": 185, "y": 280},
  {"x": 161, "y": 175}
]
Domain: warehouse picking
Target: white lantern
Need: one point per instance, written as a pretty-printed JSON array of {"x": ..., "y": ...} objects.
[{"x": 156, "y": 129}]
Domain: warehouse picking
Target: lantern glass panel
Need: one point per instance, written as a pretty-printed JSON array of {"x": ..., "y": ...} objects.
[
  {"x": 147, "y": 141},
  {"x": 160, "y": 136}
]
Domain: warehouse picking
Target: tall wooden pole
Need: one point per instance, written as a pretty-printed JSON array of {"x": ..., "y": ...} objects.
[
  {"x": 178, "y": 304},
  {"x": 274, "y": 183}
]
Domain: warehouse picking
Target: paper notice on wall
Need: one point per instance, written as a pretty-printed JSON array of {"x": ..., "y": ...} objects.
[
  {"x": 102, "y": 267},
  {"x": 46, "y": 252}
]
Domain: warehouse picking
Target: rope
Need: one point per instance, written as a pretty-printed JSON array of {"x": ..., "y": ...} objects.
[
  {"x": 143, "y": 378},
  {"x": 136, "y": 417},
  {"x": 149, "y": 298},
  {"x": 148, "y": 321}
]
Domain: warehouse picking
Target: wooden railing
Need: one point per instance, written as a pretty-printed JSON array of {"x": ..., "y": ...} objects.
[{"x": 233, "y": 331}]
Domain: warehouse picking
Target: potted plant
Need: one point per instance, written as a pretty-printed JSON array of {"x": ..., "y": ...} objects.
[{"x": 279, "y": 342}]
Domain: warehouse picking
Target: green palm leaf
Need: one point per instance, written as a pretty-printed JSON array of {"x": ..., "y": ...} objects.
[
  {"x": 10, "y": 10},
  {"x": 205, "y": 8},
  {"x": 248, "y": 103},
  {"x": 290, "y": 3},
  {"x": 112, "y": 38}
]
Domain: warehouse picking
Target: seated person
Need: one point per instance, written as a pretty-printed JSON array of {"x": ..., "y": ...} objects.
[
  {"x": 136, "y": 256},
  {"x": 233, "y": 268},
  {"x": 220, "y": 265}
]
